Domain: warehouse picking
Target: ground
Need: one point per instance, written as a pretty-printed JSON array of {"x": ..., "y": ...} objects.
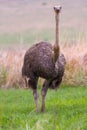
[{"x": 66, "y": 109}]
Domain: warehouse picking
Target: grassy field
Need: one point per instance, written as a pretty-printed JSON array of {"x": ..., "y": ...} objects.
[{"x": 66, "y": 109}]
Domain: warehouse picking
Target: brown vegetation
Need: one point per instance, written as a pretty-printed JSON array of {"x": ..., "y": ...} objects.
[{"x": 11, "y": 61}]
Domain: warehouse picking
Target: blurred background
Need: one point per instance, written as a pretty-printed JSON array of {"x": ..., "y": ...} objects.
[{"x": 29, "y": 21}]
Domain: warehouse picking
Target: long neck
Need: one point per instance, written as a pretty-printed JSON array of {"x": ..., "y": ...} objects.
[
  {"x": 57, "y": 29},
  {"x": 56, "y": 48}
]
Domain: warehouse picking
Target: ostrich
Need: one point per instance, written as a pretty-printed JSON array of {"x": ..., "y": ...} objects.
[{"x": 46, "y": 61}]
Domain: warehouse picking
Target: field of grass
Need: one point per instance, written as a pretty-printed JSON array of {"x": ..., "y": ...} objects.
[{"x": 66, "y": 109}]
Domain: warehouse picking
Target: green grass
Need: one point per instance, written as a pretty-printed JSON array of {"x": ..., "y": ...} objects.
[{"x": 66, "y": 109}]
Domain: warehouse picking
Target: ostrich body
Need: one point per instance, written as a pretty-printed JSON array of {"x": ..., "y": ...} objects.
[{"x": 44, "y": 60}]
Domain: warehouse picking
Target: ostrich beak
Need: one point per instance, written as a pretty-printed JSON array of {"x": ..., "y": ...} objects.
[{"x": 57, "y": 8}]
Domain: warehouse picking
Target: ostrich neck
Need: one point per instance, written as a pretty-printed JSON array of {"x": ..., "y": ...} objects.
[
  {"x": 57, "y": 30},
  {"x": 56, "y": 45}
]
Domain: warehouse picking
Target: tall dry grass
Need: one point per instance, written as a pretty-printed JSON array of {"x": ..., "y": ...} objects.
[
  {"x": 76, "y": 67},
  {"x": 11, "y": 61},
  {"x": 10, "y": 67}
]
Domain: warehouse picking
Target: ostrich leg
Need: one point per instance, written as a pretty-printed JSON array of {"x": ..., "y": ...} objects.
[
  {"x": 33, "y": 84},
  {"x": 44, "y": 92},
  {"x": 36, "y": 98}
]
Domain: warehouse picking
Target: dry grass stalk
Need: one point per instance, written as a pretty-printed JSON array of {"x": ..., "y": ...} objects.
[{"x": 76, "y": 68}]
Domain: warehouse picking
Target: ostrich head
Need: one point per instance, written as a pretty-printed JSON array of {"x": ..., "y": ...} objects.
[{"x": 57, "y": 9}]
